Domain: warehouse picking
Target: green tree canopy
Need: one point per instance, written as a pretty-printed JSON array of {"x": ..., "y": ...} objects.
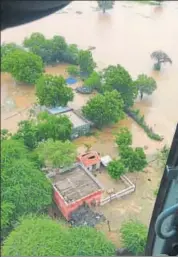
[
  {"x": 5, "y": 134},
  {"x": 52, "y": 50},
  {"x": 42, "y": 236},
  {"x": 94, "y": 81},
  {"x": 24, "y": 66},
  {"x": 134, "y": 236},
  {"x": 24, "y": 188},
  {"x": 105, "y": 5},
  {"x": 104, "y": 109},
  {"x": 133, "y": 159},
  {"x": 57, "y": 153},
  {"x": 72, "y": 54},
  {"x": 12, "y": 149},
  {"x": 117, "y": 77},
  {"x": 73, "y": 70},
  {"x": 124, "y": 137},
  {"x": 116, "y": 169},
  {"x": 52, "y": 91},
  {"x": 28, "y": 132},
  {"x": 8, "y": 48},
  {"x": 53, "y": 126},
  {"x": 145, "y": 85},
  {"x": 86, "y": 62}
]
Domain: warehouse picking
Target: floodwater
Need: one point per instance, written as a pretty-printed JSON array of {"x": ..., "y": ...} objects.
[{"x": 125, "y": 35}]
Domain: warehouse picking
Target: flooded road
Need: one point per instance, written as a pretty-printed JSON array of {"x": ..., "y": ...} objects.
[{"x": 125, "y": 35}]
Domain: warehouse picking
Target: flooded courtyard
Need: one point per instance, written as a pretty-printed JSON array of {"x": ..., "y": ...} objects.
[{"x": 126, "y": 35}]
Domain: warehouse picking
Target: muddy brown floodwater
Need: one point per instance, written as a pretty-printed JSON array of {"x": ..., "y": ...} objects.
[{"x": 125, "y": 35}]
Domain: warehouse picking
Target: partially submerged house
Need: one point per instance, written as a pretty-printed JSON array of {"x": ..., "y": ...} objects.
[
  {"x": 91, "y": 160},
  {"x": 81, "y": 126},
  {"x": 73, "y": 188}
]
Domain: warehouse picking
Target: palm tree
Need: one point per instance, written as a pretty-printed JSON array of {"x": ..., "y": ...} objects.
[{"x": 160, "y": 57}]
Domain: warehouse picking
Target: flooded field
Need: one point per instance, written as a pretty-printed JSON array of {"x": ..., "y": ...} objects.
[{"x": 125, "y": 35}]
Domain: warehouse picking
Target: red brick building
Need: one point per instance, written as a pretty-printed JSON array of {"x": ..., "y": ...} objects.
[
  {"x": 91, "y": 160},
  {"x": 75, "y": 187}
]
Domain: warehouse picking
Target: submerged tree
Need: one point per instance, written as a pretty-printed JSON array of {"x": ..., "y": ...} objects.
[
  {"x": 24, "y": 66},
  {"x": 133, "y": 159},
  {"x": 124, "y": 137},
  {"x": 50, "y": 50},
  {"x": 52, "y": 91},
  {"x": 105, "y": 5},
  {"x": 160, "y": 57},
  {"x": 86, "y": 62},
  {"x": 145, "y": 85},
  {"x": 117, "y": 77},
  {"x": 93, "y": 81},
  {"x": 104, "y": 109}
]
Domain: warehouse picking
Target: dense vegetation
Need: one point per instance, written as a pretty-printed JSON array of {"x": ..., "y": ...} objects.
[
  {"x": 134, "y": 236},
  {"x": 46, "y": 126},
  {"x": 118, "y": 78},
  {"x": 104, "y": 109},
  {"x": 52, "y": 91},
  {"x": 57, "y": 153},
  {"x": 116, "y": 169},
  {"x": 41, "y": 236},
  {"x": 132, "y": 159},
  {"x": 24, "y": 66},
  {"x": 24, "y": 188}
]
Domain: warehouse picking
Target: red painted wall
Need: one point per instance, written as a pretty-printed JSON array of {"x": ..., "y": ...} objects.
[{"x": 67, "y": 209}]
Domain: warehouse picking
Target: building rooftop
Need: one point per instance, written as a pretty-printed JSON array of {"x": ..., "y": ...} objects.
[
  {"x": 75, "y": 119},
  {"x": 89, "y": 159},
  {"x": 75, "y": 183}
]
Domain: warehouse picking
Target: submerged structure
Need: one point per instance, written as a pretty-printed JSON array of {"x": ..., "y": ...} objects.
[{"x": 81, "y": 126}]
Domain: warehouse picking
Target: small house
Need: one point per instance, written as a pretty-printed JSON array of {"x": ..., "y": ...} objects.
[
  {"x": 81, "y": 126},
  {"x": 73, "y": 188},
  {"x": 91, "y": 160}
]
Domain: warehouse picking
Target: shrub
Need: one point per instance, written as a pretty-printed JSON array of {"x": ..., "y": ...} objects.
[{"x": 134, "y": 236}]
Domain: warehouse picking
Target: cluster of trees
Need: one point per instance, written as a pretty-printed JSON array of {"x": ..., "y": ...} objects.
[
  {"x": 24, "y": 188},
  {"x": 26, "y": 63},
  {"x": 37, "y": 143},
  {"x": 23, "y": 65},
  {"x": 46, "y": 126},
  {"x": 56, "y": 50},
  {"x": 41, "y": 236},
  {"x": 131, "y": 160}
]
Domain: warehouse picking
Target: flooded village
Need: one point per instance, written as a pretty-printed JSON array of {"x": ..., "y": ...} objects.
[{"x": 125, "y": 35}]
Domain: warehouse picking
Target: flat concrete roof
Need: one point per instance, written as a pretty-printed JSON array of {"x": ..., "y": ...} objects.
[
  {"x": 75, "y": 119},
  {"x": 75, "y": 184}
]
